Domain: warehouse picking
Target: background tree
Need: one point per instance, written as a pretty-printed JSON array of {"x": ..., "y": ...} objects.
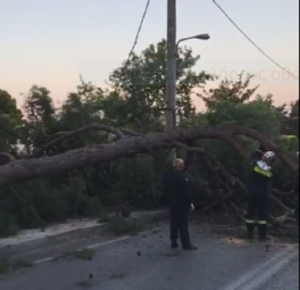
[
  {"x": 10, "y": 118},
  {"x": 128, "y": 116}
]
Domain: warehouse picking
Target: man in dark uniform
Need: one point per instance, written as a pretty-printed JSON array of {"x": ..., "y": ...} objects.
[
  {"x": 180, "y": 205},
  {"x": 259, "y": 195}
]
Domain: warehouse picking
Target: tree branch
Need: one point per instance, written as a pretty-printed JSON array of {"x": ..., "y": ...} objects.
[
  {"x": 5, "y": 158},
  {"x": 67, "y": 135},
  {"x": 8, "y": 132},
  {"x": 21, "y": 170},
  {"x": 143, "y": 112}
]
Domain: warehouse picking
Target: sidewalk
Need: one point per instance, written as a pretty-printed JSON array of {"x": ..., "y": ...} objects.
[{"x": 28, "y": 241}]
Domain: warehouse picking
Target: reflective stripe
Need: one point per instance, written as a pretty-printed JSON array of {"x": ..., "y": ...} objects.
[
  {"x": 263, "y": 172},
  {"x": 260, "y": 222}
]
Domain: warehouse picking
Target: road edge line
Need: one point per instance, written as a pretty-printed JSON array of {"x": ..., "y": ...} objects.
[{"x": 256, "y": 270}]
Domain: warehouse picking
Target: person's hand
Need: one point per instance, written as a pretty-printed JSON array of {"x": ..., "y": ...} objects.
[{"x": 192, "y": 207}]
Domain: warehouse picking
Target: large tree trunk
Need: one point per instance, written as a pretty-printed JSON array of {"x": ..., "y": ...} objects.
[{"x": 20, "y": 170}]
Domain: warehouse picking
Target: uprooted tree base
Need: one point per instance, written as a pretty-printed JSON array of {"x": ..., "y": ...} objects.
[{"x": 128, "y": 144}]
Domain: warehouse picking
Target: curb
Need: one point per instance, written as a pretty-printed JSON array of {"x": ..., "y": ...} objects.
[{"x": 27, "y": 247}]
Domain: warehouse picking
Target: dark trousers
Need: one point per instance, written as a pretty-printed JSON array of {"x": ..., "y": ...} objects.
[
  {"x": 257, "y": 212},
  {"x": 179, "y": 225}
]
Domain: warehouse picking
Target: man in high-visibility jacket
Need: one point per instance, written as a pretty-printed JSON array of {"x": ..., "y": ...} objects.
[{"x": 258, "y": 195}]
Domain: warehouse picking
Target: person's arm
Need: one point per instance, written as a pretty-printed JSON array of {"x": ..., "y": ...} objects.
[{"x": 256, "y": 156}]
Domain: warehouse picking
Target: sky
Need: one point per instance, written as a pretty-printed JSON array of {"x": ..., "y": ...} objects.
[{"x": 50, "y": 43}]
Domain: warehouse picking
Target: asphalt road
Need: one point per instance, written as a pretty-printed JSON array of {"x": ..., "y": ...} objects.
[
  {"x": 146, "y": 263},
  {"x": 287, "y": 278}
]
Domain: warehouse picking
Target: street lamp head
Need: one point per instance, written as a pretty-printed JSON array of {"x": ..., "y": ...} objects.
[{"x": 202, "y": 36}]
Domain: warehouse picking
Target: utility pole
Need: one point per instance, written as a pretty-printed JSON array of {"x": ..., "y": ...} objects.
[
  {"x": 171, "y": 66},
  {"x": 171, "y": 73}
]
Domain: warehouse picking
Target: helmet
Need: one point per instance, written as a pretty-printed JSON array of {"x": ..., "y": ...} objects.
[{"x": 269, "y": 155}]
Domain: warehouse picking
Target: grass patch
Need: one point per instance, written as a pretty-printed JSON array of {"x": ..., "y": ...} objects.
[
  {"x": 85, "y": 254},
  {"x": 6, "y": 267},
  {"x": 8, "y": 226},
  {"x": 104, "y": 218},
  {"x": 120, "y": 226}
]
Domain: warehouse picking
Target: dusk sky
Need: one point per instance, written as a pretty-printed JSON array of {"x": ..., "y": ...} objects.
[{"x": 49, "y": 43}]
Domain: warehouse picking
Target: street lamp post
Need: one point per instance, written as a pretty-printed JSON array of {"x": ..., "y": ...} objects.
[{"x": 173, "y": 55}]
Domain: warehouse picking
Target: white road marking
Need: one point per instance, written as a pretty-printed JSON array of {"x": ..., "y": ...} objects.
[
  {"x": 94, "y": 246},
  {"x": 261, "y": 273},
  {"x": 273, "y": 269}
]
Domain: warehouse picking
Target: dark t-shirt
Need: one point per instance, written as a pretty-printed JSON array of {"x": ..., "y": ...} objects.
[{"x": 176, "y": 187}]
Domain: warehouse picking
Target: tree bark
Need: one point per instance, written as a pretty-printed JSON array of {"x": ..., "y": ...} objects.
[{"x": 21, "y": 170}]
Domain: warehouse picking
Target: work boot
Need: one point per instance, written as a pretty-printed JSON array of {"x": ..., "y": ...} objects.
[
  {"x": 174, "y": 245},
  {"x": 189, "y": 247},
  {"x": 262, "y": 229}
]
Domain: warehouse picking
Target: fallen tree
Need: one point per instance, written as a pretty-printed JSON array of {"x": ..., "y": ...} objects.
[
  {"x": 222, "y": 184},
  {"x": 67, "y": 168},
  {"x": 127, "y": 144}
]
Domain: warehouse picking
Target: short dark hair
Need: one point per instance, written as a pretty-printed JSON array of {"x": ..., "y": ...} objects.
[{"x": 262, "y": 147}]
